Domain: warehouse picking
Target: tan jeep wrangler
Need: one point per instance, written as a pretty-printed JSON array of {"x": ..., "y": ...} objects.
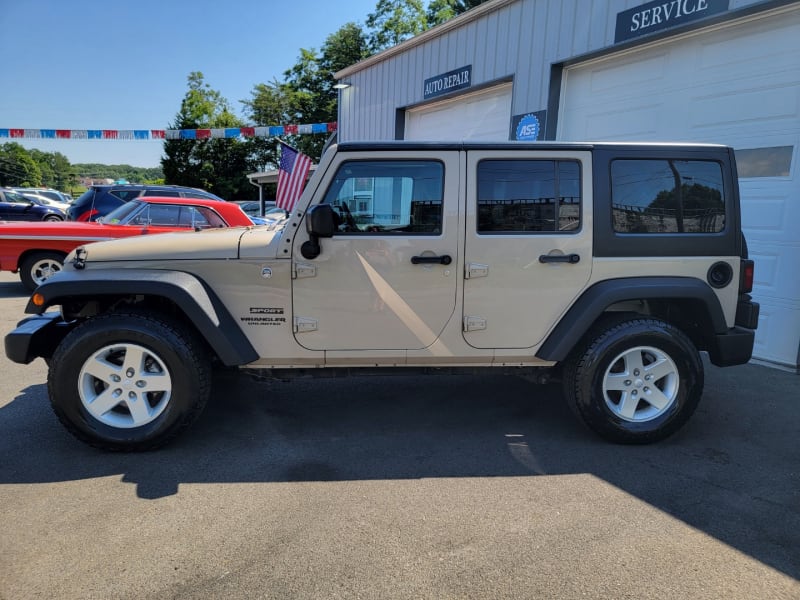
[{"x": 610, "y": 265}]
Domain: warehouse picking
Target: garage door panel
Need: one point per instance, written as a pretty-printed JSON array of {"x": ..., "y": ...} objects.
[
  {"x": 772, "y": 343},
  {"x": 623, "y": 123},
  {"x": 483, "y": 115},
  {"x": 731, "y": 52},
  {"x": 648, "y": 71},
  {"x": 733, "y": 105},
  {"x": 776, "y": 275},
  {"x": 769, "y": 215}
]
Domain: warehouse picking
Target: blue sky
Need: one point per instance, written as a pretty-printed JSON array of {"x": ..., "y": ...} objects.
[{"x": 89, "y": 64}]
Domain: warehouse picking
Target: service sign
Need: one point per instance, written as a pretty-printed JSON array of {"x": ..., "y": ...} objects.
[
  {"x": 445, "y": 83},
  {"x": 664, "y": 14}
]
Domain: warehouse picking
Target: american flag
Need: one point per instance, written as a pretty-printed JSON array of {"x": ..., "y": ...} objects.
[{"x": 292, "y": 173}]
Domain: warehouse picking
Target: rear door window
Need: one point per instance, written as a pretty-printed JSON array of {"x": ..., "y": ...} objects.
[{"x": 528, "y": 196}]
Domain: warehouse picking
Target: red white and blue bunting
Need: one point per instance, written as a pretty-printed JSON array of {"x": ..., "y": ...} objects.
[{"x": 166, "y": 134}]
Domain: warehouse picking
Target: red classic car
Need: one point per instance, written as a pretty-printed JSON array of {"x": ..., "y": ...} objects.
[{"x": 37, "y": 250}]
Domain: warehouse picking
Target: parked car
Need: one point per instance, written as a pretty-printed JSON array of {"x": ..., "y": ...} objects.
[
  {"x": 253, "y": 207},
  {"x": 59, "y": 199},
  {"x": 276, "y": 214},
  {"x": 16, "y": 207},
  {"x": 44, "y": 200},
  {"x": 99, "y": 200},
  {"x": 37, "y": 251}
]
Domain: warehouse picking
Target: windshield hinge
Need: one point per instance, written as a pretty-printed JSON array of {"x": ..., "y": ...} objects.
[
  {"x": 303, "y": 271},
  {"x": 303, "y": 325},
  {"x": 474, "y": 324}
]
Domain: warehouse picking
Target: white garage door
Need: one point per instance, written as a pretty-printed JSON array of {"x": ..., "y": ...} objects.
[
  {"x": 737, "y": 85},
  {"x": 483, "y": 115}
]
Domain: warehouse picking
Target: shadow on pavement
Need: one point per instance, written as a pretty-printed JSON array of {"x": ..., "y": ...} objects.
[{"x": 732, "y": 472}]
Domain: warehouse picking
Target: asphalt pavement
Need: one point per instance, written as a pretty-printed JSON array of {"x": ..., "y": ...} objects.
[{"x": 403, "y": 487}]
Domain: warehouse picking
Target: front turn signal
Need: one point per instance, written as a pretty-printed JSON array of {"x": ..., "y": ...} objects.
[{"x": 37, "y": 299}]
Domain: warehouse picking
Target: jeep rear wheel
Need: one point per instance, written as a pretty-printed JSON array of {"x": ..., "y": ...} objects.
[
  {"x": 635, "y": 381},
  {"x": 128, "y": 381}
]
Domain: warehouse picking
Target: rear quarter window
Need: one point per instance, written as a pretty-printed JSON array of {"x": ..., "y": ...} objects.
[
  {"x": 653, "y": 196},
  {"x": 125, "y": 195}
]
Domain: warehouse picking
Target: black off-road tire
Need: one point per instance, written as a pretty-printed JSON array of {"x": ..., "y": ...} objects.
[
  {"x": 618, "y": 354},
  {"x": 89, "y": 366},
  {"x": 38, "y": 266}
]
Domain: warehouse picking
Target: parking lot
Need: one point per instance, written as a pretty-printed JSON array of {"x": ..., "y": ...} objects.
[{"x": 401, "y": 487}]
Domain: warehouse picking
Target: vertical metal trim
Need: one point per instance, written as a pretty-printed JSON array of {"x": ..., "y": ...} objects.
[
  {"x": 553, "y": 100},
  {"x": 400, "y": 124}
]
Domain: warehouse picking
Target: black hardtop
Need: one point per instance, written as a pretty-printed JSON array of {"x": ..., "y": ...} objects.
[{"x": 465, "y": 145}]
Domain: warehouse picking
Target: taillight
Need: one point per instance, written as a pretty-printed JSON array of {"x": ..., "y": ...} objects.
[
  {"x": 746, "y": 274},
  {"x": 87, "y": 216}
]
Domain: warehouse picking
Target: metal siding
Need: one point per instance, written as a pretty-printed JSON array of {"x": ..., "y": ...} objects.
[
  {"x": 489, "y": 57},
  {"x": 502, "y": 39},
  {"x": 565, "y": 27}
]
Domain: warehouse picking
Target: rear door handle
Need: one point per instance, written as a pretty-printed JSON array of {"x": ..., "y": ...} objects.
[
  {"x": 431, "y": 260},
  {"x": 560, "y": 258}
]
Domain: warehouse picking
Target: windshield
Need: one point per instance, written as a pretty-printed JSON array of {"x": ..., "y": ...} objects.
[{"x": 123, "y": 213}]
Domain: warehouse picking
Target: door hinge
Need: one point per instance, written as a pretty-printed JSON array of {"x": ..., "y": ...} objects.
[
  {"x": 304, "y": 325},
  {"x": 303, "y": 270},
  {"x": 474, "y": 270},
  {"x": 474, "y": 324}
]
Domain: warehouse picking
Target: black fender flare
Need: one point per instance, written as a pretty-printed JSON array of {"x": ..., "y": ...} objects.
[
  {"x": 597, "y": 298},
  {"x": 189, "y": 293}
]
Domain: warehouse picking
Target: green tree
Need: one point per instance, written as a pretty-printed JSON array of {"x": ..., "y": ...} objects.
[
  {"x": 341, "y": 49},
  {"x": 56, "y": 170},
  {"x": 311, "y": 82},
  {"x": 394, "y": 21},
  {"x": 217, "y": 165},
  {"x": 440, "y": 11},
  {"x": 17, "y": 167},
  {"x": 268, "y": 105},
  {"x": 306, "y": 95}
]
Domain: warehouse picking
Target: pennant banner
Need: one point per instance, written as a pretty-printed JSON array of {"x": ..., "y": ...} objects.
[{"x": 167, "y": 134}]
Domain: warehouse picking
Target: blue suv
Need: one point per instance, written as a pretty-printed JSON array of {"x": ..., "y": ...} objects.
[{"x": 99, "y": 200}]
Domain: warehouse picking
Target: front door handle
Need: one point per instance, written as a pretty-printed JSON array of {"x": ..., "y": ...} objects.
[
  {"x": 431, "y": 260},
  {"x": 560, "y": 258}
]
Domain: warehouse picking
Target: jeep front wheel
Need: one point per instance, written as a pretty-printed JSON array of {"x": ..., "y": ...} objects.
[
  {"x": 128, "y": 381},
  {"x": 635, "y": 381}
]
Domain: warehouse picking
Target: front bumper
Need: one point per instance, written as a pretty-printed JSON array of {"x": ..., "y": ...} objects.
[{"x": 36, "y": 337}]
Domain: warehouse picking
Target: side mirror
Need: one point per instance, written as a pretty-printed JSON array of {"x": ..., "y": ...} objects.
[{"x": 320, "y": 223}]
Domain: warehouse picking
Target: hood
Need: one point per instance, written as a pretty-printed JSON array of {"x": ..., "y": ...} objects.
[
  {"x": 60, "y": 229},
  {"x": 211, "y": 244}
]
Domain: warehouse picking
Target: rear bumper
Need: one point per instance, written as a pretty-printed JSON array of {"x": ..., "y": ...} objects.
[
  {"x": 34, "y": 337},
  {"x": 734, "y": 347}
]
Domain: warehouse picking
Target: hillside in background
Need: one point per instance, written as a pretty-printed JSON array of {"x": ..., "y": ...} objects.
[{"x": 116, "y": 172}]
